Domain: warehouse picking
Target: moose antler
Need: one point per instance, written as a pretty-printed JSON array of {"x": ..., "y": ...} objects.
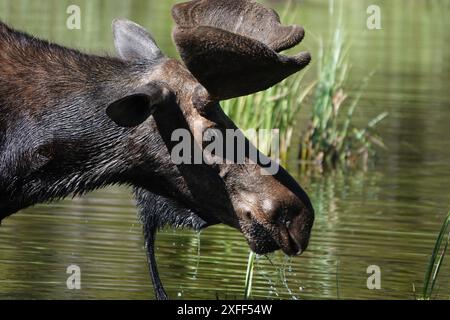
[{"x": 231, "y": 46}]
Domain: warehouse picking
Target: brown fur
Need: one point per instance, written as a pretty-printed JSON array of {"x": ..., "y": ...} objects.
[{"x": 71, "y": 123}]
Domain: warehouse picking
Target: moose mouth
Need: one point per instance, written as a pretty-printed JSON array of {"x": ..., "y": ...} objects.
[
  {"x": 269, "y": 245},
  {"x": 263, "y": 241},
  {"x": 294, "y": 248},
  {"x": 260, "y": 240}
]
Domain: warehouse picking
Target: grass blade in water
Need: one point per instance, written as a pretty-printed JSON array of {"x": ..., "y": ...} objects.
[
  {"x": 249, "y": 275},
  {"x": 436, "y": 260}
]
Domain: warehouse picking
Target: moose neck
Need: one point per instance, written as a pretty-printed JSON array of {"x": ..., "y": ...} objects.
[{"x": 58, "y": 130}]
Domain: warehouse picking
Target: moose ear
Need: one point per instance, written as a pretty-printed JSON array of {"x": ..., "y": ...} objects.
[
  {"x": 134, "y": 109},
  {"x": 133, "y": 42}
]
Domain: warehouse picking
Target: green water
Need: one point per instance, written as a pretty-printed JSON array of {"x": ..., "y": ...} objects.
[{"x": 387, "y": 215}]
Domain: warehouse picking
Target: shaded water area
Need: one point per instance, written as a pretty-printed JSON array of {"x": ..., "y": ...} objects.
[{"x": 387, "y": 215}]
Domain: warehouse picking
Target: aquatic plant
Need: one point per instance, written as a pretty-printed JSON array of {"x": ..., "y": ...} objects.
[
  {"x": 435, "y": 262},
  {"x": 331, "y": 136},
  {"x": 249, "y": 275}
]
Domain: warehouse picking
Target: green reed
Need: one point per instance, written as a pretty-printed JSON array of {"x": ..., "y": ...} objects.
[
  {"x": 249, "y": 275},
  {"x": 436, "y": 259},
  {"x": 331, "y": 136}
]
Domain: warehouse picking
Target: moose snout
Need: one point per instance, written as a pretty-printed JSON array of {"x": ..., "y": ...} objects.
[
  {"x": 278, "y": 216},
  {"x": 299, "y": 231},
  {"x": 294, "y": 222}
]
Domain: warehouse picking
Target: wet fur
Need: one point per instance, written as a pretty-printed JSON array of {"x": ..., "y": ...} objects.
[
  {"x": 61, "y": 134},
  {"x": 56, "y": 139}
]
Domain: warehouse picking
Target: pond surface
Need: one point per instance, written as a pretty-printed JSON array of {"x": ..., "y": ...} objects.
[{"x": 387, "y": 215}]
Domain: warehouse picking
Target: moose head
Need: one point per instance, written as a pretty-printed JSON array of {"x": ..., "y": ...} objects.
[
  {"x": 71, "y": 123},
  {"x": 229, "y": 49}
]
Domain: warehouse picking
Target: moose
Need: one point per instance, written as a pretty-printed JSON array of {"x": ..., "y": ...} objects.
[{"x": 71, "y": 123}]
